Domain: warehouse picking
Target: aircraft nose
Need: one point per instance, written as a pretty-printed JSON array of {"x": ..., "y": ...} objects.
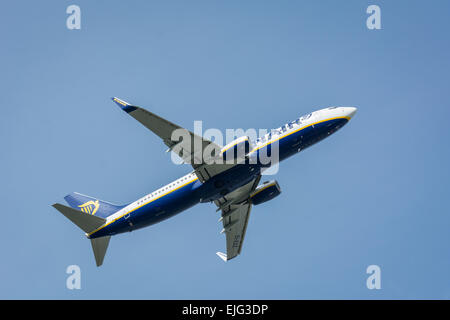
[{"x": 350, "y": 111}]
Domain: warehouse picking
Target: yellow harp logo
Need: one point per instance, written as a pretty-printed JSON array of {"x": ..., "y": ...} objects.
[{"x": 90, "y": 207}]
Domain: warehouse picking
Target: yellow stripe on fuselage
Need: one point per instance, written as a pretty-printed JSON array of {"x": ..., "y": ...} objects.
[{"x": 126, "y": 213}]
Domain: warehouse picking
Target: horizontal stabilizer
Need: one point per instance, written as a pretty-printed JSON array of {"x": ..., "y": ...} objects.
[
  {"x": 84, "y": 221},
  {"x": 99, "y": 246}
]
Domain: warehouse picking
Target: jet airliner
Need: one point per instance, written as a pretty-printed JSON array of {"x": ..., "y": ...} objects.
[{"x": 234, "y": 186}]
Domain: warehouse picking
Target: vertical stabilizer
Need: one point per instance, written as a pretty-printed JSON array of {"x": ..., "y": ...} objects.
[{"x": 91, "y": 205}]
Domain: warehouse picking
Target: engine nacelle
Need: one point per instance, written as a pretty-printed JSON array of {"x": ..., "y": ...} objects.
[
  {"x": 237, "y": 149},
  {"x": 265, "y": 192}
]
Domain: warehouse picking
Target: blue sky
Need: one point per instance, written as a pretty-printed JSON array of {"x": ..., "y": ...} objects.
[{"x": 373, "y": 193}]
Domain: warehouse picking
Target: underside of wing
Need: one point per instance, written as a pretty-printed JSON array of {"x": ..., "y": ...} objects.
[
  {"x": 236, "y": 208},
  {"x": 191, "y": 148}
]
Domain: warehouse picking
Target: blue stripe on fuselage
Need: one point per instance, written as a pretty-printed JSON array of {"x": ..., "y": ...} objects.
[
  {"x": 154, "y": 211},
  {"x": 300, "y": 139}
]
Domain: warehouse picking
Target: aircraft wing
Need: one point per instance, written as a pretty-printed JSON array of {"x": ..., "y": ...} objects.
[
  {"x": 236, "y": 209},
  {"x": 195, "y": 150}
]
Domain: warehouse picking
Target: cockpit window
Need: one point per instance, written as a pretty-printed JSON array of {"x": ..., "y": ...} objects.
[{"x": 330, "y": 108}]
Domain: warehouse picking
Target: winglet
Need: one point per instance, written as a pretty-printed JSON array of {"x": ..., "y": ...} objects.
[
  {"x": 222, "y": 256},
  {"x": 124, "y": 105}
]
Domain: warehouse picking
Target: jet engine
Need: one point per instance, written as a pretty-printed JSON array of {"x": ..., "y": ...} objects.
[{"x": 265, "y": 192}]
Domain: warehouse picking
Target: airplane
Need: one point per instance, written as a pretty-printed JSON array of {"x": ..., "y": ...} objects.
[{"x": 233, "y": 185}]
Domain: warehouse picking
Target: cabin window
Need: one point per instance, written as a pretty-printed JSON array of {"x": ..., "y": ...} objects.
[{"x": 306, "y": 117}]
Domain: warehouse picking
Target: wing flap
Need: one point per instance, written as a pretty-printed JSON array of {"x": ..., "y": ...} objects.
[{"x": 235, "y": 227}]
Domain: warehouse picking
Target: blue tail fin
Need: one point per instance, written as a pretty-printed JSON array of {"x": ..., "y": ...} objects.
[{"x": 91, "y": 205}]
